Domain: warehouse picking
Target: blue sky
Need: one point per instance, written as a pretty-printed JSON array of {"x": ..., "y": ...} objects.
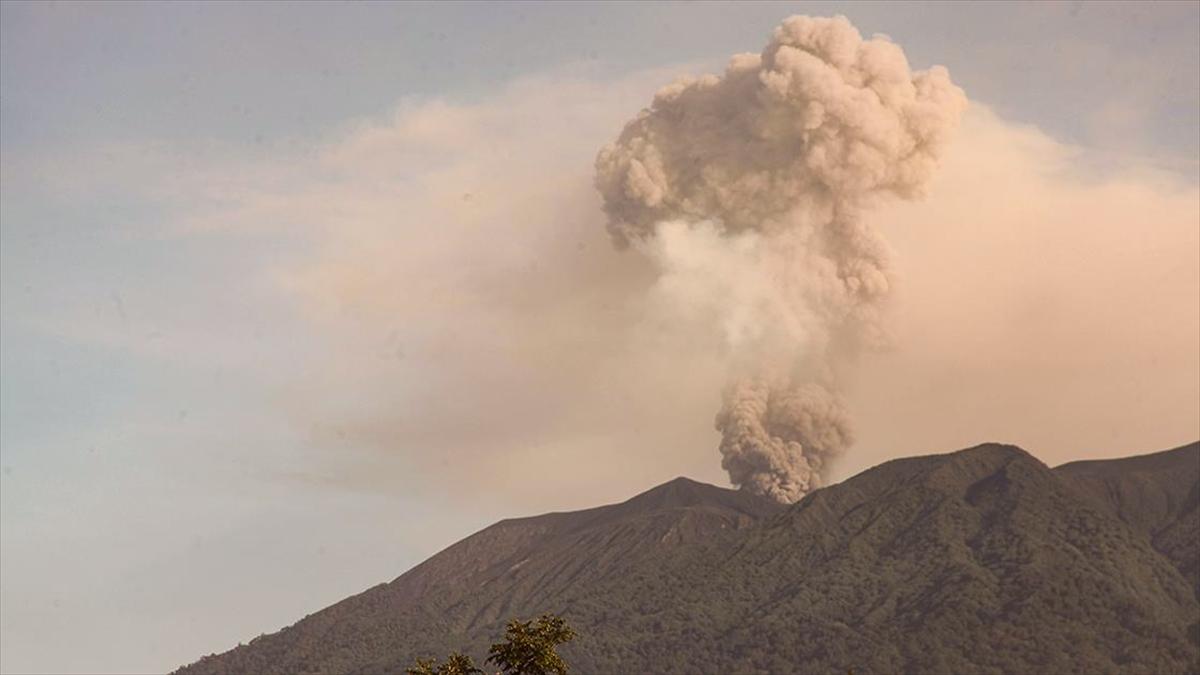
[
  {"x": 247, "y": 73},
  {"x": 261, "y": 307}
]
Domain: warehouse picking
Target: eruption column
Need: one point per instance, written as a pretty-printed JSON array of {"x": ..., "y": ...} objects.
[{"x": 761, "y": 174}]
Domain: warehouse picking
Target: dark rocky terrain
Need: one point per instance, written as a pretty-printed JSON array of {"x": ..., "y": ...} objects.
[{"x": 983, "y": 560}]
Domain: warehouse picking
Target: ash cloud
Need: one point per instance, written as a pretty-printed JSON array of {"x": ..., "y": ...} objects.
[{"x": 747, "y": 190}]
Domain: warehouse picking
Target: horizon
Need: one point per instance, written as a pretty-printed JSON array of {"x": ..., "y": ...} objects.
[{"x": 294, "y": 296}]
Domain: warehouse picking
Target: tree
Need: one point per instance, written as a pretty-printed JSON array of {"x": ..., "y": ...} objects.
[
  {"x": 456, "y": 664},
  {"x": 529, "y": 647}
]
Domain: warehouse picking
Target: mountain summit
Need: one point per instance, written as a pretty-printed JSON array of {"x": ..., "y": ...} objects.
[{"x": 979, "y": 560}]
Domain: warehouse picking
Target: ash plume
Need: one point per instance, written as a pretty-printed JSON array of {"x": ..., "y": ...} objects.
[{"x": 747, "y": 190}]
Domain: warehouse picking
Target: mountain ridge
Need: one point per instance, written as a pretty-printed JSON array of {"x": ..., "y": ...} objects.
[
  {"x": 1157, "y": 494},
  {"x": 980, "y": 560}
]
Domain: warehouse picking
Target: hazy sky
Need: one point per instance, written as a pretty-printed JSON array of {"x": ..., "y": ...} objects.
[{"x": 294, "y": 296}]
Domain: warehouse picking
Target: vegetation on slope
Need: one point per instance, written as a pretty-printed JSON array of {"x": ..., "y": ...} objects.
[{"x": 983, "y": 560}]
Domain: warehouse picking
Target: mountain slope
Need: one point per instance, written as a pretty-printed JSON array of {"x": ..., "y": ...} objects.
[
  {"x": 979, "y": 561},
  {"x": 983, "y": 560},
  {"x": 516, "y": 567},
  {"x": 1157, "y": 494}
]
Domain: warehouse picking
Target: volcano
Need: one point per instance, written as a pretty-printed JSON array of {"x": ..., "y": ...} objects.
[{"x": 982, "y": 560}]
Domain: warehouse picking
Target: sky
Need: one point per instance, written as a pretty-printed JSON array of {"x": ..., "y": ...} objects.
[{"x": 294, "y": 296}]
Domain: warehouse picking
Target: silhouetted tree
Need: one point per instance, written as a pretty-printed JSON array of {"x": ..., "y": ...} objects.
[{"x": 529, "y": 647}]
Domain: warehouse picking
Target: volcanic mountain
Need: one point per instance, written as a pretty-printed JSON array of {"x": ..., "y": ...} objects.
[{"x": 983, "y": 560}]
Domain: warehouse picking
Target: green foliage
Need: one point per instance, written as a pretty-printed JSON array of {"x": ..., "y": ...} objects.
[
  {"x": 529, "y": 647},
  {"x": 458, "y": 664}
]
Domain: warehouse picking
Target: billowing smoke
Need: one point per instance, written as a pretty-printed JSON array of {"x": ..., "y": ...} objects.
[{"x": 747, "y": 189}]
